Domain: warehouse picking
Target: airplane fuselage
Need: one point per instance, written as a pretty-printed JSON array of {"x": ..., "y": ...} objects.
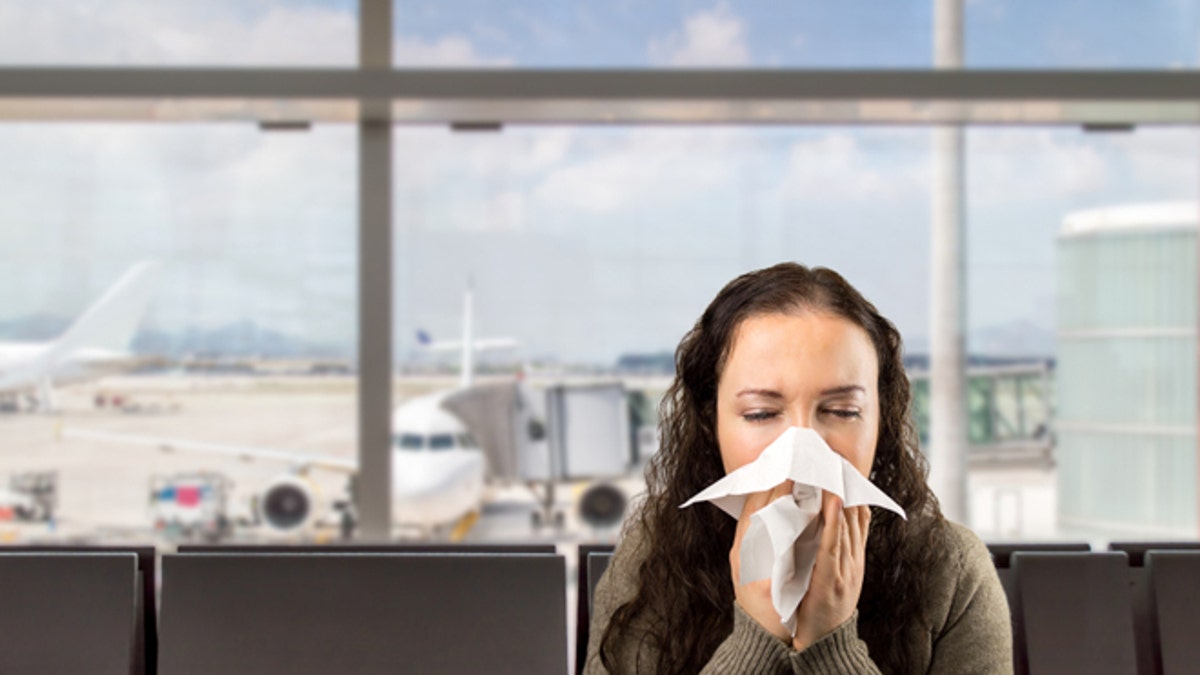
[{"x": 20, "y": 361}]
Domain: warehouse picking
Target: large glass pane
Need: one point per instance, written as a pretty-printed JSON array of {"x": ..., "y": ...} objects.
[
  {"x": 180, "y": 33},
  {"x": 589, "y": 251},
  {"x": 185, "y": 287},
  {"x": 1082, "y": 255},
  {"x": 1162, "y": 34},
  {"x": 680, "y": 34}
]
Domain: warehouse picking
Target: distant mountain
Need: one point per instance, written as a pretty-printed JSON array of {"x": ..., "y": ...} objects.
[
  {"x": 240, "y": 338},
  {"x": 1020, "y": 340},
  {"x": 1013, "y": 339},
  {"x": 33, "y": 328}
]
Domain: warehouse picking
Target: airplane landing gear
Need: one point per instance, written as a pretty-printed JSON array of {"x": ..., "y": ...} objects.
[{"x": 543, "y": 517}]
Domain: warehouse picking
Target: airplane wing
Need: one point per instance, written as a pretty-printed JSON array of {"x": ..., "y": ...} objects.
[{"x": 299, "y": 461}]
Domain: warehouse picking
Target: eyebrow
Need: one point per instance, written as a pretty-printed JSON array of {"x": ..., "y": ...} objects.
[
  {"x": 768, "y": 393},
  {"x": 835, "y": 391},
  {"x": 844, "y": 389}
]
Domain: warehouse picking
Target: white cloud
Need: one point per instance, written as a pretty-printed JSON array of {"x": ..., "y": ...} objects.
[
  {"x": 450, "y": 50},
  {"x": 1007, "y": 164},
  {"x": 836, "y": 167},
  {"x": 1163, "y": 160},
  {"x": 714, "y": 37},
  {"x": 211, "y": 33},
  {"x": 175, "y": 32},
  {"x": 474, "y": 158},
  {"x": 646, "y": 167}
]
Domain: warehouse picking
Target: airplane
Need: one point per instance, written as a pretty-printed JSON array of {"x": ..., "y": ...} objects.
[
  {"x": 96, "y": 344},
  {"x": 438, "y": 469},
  {"x": 446, "y": 447}
]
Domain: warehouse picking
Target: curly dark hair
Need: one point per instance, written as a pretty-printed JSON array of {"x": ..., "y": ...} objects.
[{"x": 685, "y": 593}]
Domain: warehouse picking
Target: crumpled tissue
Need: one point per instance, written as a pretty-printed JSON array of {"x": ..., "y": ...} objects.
[{"x": 783, "y": 537}]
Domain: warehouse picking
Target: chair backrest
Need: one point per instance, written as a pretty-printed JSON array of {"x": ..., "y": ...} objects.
[
  {"x": 597, "y": 563},
  {"x": 1072, "y": 613},
  {"x": 363, "y": 612},
  {"x": 1149, "y": 662},
  {"x": 1137, "y": 550},
  {"x": 1002, "y": 559},
  {"x": 70, "y": 613},
  {"x": 399, "y": 548},
  {"x": 1174, "y": 577},
  {"x": 587, "y": 574},
  {"x": 147, "y": 637},
  {"x": 1002, "y": 550}
]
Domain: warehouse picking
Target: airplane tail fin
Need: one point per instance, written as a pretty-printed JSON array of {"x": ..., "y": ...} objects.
[{"x": 111, "y": 321}]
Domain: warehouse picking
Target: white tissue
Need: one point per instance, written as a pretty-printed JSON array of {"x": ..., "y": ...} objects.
[{"x": 782, "y": 538}]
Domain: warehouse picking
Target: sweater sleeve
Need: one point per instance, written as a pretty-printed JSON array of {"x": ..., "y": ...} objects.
[
  {"x": 839, "y": 652},
  {"x": 748, "y": 649},
  {"x": 976, "y": 636}
]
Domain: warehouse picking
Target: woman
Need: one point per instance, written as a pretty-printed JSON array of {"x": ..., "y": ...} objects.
[{"x": 781, "y": 347}]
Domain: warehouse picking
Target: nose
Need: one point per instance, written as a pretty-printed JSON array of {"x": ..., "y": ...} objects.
[{"x": 801, "y": 416}]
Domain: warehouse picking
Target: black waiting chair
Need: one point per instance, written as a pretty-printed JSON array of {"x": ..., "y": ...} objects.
[
  {"x": 369, "y": 548},
  {"x": 1174, "y": 581},
  {"x": 593, "y": 560},
  {"x": 298, "y": 613},
  {"x": 1072, "y": 613},
  {"x": 1002, "y": 559},
  {"x": 71, "y": 612},
  {"x": 1139, "y": 596},
  {"x": 147, "y": 636}
]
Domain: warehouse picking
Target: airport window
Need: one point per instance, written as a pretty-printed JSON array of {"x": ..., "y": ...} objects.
[
  {"x": 208, "y": 270},
  {"x": 662, "y": 34},
  {"x": 1027, "y": 34},
  {"x": 574, "y": 251},
  {"x": 659, "y": 218}
]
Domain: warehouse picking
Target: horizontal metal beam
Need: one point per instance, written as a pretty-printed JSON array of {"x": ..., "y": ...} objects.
[
  {"x": 1096, "y": 99},
  {"x": 964, "y": 85}
]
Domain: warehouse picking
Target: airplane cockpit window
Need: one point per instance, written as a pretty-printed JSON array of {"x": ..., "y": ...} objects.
[
  {"x": 441, "y": 441},
  {"x": 410, "y": 441}
]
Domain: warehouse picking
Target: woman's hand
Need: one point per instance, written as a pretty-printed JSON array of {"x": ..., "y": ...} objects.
[
  {"x": 755, "y": 597},
  {"x": 837, "y": 576}
]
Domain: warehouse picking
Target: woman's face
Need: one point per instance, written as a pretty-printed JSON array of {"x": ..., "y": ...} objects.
[{"x": 800, "y": 369}]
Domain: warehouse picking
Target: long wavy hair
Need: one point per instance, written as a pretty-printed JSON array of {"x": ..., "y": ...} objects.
[{"x": 685, "y": 594}]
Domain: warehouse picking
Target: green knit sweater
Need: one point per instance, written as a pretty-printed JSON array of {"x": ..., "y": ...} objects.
[{"x": 970, "y": 623}]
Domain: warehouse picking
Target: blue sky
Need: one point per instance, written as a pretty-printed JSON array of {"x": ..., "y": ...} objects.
[{"x": 584, "y": 242}]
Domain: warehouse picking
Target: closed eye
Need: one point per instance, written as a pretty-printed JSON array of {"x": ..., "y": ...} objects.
[
  {"x": 844, "y": 413},
  {"x": 759, "y": 415}
]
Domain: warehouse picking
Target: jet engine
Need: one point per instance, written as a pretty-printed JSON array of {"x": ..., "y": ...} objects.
[
  {"x": 602, "y": 505},
  {"x": 288, "y": 504}
]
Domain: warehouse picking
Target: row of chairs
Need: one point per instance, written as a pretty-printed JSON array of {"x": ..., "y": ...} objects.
[
  {"x": 1134, "y": 608},
  {"x": 498, "y": 608},
  {"x": 360, "y": 609}
]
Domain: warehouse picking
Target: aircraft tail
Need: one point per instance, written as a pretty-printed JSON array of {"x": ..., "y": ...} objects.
[
  {"x": 110, "y": 322},
  {"x": 469, "y": 344}
]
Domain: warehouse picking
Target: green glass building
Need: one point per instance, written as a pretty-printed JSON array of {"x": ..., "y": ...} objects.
[{"x": 1126, "y": 371}]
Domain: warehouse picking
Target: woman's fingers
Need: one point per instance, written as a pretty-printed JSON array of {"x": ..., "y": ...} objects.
[
  {"x": 832, "y": 520},
  {"x": 755, "y": 597},
  {"x": 836, "y": 581},
  {"x": 859, "y": 521}
]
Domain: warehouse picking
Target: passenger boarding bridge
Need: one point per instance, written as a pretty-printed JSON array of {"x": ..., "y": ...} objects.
[{"x": 1010, "y": 412}]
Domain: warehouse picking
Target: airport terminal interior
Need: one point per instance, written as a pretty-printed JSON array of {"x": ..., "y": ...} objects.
[{"x": 330, "y": 328}]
